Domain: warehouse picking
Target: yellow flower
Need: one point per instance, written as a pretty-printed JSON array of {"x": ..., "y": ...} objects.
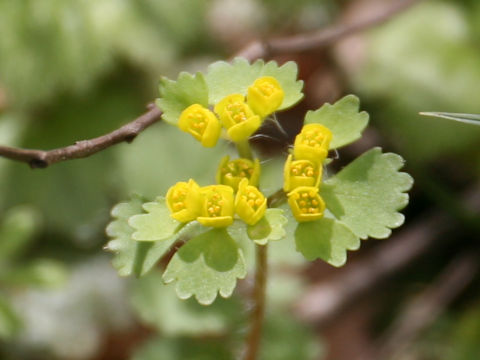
[
  {"x": 184, "y": 201},
  {"x": 231, "y": 172},
  {"x": 237, "y": 117},
  {"x": 250, "y": 203},
  {"x": 217, "y": 208},
  {"x": 265, "y": 96},
  {"x": 201, "y": 123},
  {"x": 312, "y": 143},
  {"x": 301, "y": 173},
  {"x": 306, "y": 203}
]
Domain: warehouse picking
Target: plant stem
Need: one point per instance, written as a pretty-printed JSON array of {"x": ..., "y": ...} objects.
[
  {"x": 244, "y": 150},
  {"x": 259, "y": 290},
  {"x": 256, "y": 321}
]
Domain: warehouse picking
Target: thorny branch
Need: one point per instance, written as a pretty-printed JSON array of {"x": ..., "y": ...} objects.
[{"x": 258, "y": 49}]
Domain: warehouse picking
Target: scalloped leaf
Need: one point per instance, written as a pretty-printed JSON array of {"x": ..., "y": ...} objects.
[
  {"x": 175, "y": 96},
  {"x": 206, "y": 265},
  {"x": 342, "y": 118},
  {"x": 269, "y": 228},
  {"x": 225, "y": 78},
  {"x": 131, "y": 256},
  {"x": 326, "y": 239},
  {"x": 367, "y": 194},
  {"x": 156, "y": 225}
]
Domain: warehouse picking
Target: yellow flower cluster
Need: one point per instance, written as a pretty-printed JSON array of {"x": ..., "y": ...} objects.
[
  {"x": 215, "y": 205},
  {"x": 303, "y": 172},
  {"x": 241, "y": 116}
]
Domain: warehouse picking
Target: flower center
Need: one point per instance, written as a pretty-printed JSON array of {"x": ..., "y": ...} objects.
[
  {"x": 303, "y": 168},
  {"x": 236, "y": 111},
  {"x": 308, "y": 202},
  {"x": 313, "y": 138},
  {"x": 214, "y": 205},
  {"x": 252, "y": 198},
  {"x": 237, "y": 169},
  {"x": 198, "y": 122},
  {"x": 178, "y": 199},
  {"x": 266, "y": 89}
]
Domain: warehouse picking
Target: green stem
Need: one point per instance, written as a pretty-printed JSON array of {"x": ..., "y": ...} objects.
[
  {"x": 244, "y": 151},
  {"x": 256, "y": 322},
  {"x": 259, "y": 290}
]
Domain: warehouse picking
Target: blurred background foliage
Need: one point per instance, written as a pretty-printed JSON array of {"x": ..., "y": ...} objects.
[{"x": 71, "y": 70}]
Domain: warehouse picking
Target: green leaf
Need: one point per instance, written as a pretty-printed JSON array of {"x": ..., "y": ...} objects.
[
  {"x": 224, "y": 79},
  {"x": 367, "y": 194},
  {"x": 207, "y": 264},
  {"x": 41, "y": 273},
  {"x": 156, "y": 225},
  {"x": 473, "y": 119},
  {"x": 158, "y": 305},
  {"x": 342, "y": 118},
  {"x": 326, "y": 239},
  {"x": 16, "y": 231},
  {"x": 176, "y": 96},
  {"x": 9, "y": 321},
  {"x": 131, "y": 256},
  {"x": 270, "y": 227}
]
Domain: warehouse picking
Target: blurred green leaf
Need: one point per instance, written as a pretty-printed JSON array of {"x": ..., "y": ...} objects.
[
  {"x": 423, "y": 59},
  {"x": 367, "y": 194},
  {"x": 342, "y": 118},
  {"x": 39, "y": 273},
  {"x": 176, "y": 96},
  {"x": 269, "y": 228},
  {"x": 465, "y": 334},
  {"x": 326, "y": 239},
  {"x": 16, "y": 231},
  {"x": 209, "y": 263},
  {"x": 167, "y": 156},
  {"x": 225, "y": 78},
  {"x": 131, "y": 256},
  {"x": 9, "y": 321},
  {"x": 156, "y": 225},
  {"x": 159, "y": 306}
]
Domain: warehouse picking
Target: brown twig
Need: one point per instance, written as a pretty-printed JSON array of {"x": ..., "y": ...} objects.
[
  {"x": 321, "y": 38},
  {"x": 84, "y": 148},
  {"x": 257, "y": 49}
]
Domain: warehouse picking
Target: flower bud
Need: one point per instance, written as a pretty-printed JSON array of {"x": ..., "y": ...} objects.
[
  {"x": 231, "y": 172},
  {"x": 306, "y": 203},
  {"x": 301, "y": 173},
  {"x": 184, "y": 201},
  {"x": 237, "y": 117},
  {"x": 265, "y": 96},
  {"x": 217, "y": 208},
  {"x": 312, "y": 143},
  {"x": 250, "y": 203},
  {"x": 201, "y": 123}
]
